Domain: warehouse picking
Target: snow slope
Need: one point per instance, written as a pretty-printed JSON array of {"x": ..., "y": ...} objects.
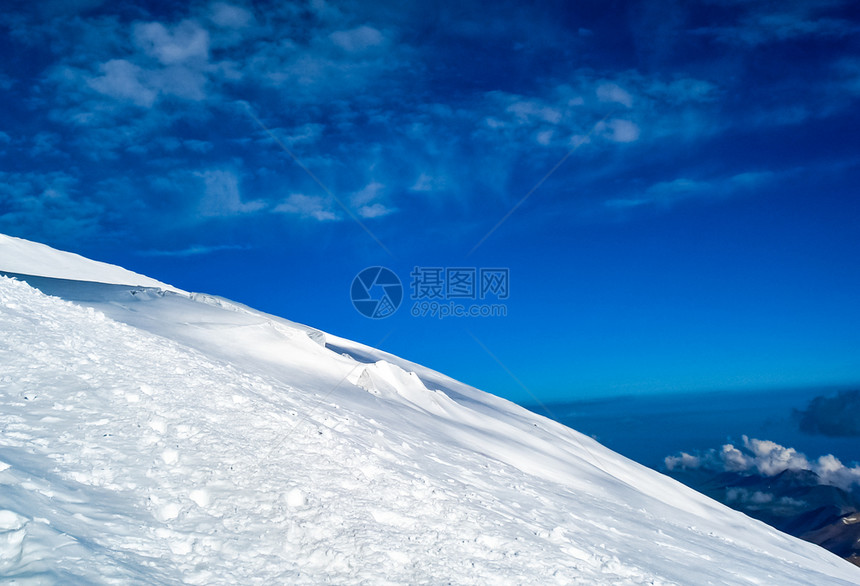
[{"x": 151, "y": 437}]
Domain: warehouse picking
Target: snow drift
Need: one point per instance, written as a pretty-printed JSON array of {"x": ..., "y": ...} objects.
[{"x": 151, "y": 436}]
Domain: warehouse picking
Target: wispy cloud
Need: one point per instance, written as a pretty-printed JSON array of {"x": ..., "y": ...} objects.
[
  {"x": 762, "y": 23},
  {"x": 230, "y": 16},
  {"x": 122, "y": 80},
  {"x": 358, "y": 39},
  {"x": 185, "y": 42},
  {"x": 159, "y": 98},
  {"x": 307, "y": 206},
  {"x": 367, "y": 202},
  {"x": 643, "y": 109},
  {"x": 613, "y": 93},
  {"x": 374, "y": 210},
  {"x": 221, "y": 196},
  {"x": 666, "y": 194},
  {"x": 195, "y": 250}
]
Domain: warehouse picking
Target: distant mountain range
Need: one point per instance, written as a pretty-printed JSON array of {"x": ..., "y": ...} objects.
[{"x": 793, "y": 501}]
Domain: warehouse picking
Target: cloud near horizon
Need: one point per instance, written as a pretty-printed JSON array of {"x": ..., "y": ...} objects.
[{"x": 767, "y": 458}]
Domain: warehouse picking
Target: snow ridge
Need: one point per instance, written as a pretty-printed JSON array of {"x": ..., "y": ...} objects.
[{"x": 31, "y": 258}]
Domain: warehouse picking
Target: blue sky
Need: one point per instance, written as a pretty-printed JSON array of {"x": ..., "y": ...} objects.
[{"x": 701, "y": 233}]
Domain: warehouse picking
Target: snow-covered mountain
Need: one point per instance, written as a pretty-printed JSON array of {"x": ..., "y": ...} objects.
[{"x": 153, "y": 436}]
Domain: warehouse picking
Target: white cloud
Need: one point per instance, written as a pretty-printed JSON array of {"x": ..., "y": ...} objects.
[
  {"x": 427, "y": 183},
  {"x": 129, "y": 83},
  {"x": 619, "y": 130},
  {"x": 733, "y": 459},
  {"x": 221, "y": 195},
  {"x": 358, "y": 39},
  {"x": 306, "y": 206},
  {"x": 367, "y": 194},
  {"x": 544, "y": 137},
  {"x": 365, "y": 201},
  {"x": 770, "y": 458},
  {"x": 184, "y": 42},
  {"x": 493, "y": 122},
  {"x": 531, "y": 111},
  {"x": 183, "y": 82},
  {"x": 612, "y": 92},
  {"x": 376, "y": 210},
  {"x": 121, "y": 80},
  {"x": 653, "y": 108},
  {"x": 747, "y": 497},
  {"x": 314, "y": 71},
  {"x": 305, "y": 134},
  {"x": 577, "y": 140},
  {"x": 684, "y": 461},
  {"x": 230, "y": 16},
  {"x": 164, "y": 61},
  {"x": 831, "y": 471}
]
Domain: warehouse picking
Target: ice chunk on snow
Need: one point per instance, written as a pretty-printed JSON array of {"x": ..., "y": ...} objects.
[
  {"x": 200, "y": 497},
  {"x": 393, "y": 382},
  {"x": 296, "y": 498},
  {"x": 11, "y": 521}
]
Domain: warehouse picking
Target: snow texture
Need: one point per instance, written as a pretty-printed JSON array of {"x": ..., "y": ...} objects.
[{"x": 150, "y": 437}]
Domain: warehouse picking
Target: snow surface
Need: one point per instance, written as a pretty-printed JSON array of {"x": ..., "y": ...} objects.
[
  {"x": 156, "y": 438},
  {"x": 31, "y": 258}
]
